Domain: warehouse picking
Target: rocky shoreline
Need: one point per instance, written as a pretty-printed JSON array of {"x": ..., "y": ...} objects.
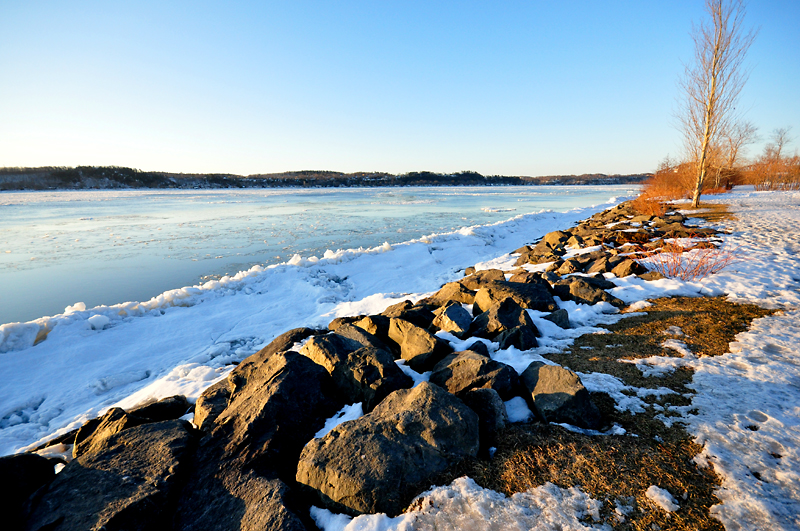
[{"x": 252, "y": 459}]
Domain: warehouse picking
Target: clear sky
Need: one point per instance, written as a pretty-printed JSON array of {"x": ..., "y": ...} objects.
[{"x": 513, "y": 88}]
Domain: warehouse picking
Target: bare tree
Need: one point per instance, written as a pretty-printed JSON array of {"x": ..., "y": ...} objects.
[
  {"x": 711, "y": 85},
  {"x": 778, "y": 141}
]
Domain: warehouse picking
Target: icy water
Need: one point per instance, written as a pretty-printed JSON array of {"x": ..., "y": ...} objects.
[{"x": 107, "y": 247}]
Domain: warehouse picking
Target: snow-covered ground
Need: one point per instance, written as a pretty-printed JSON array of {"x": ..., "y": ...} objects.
[{"x": 747, "y": 402}]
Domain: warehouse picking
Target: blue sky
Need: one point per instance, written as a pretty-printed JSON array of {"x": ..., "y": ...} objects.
[{"x": 513, "y": 88}]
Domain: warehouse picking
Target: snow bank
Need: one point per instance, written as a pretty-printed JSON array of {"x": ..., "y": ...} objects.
[{"x": 465, "y": 506}]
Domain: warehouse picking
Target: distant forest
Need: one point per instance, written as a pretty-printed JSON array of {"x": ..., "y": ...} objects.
[{"x": 114, "y": 177}]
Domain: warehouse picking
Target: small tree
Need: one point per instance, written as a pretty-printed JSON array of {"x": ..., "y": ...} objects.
[{"x": 711, "y": 85}]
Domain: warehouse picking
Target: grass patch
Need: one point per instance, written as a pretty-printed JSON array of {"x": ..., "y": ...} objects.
[{"x": 619, "y": 469}]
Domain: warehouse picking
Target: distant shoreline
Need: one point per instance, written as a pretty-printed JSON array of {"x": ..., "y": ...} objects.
[{"x": 116, "y": 178}]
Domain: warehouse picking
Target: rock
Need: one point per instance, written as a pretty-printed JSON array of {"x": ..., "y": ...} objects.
[
  {"x": 556, "y": 238},
  {"x": 468, "y": 271},
  {"x": 520, "y": 337},
  {"x": 170, "y": 408},
  {"x": 628, "y": 267},
  {"x": 587, "y": 258},
  {"x": 463, "y": 371},
  {"x": 129, "y": 483},
  {"x": 504, "y": 315},
  {"x": 421, "y": 349},
  {"x": 555, "y": 266},
  {"x": 408, "y": 312},
  {"x": 330, "y": 347},
  {"x": 652, "y": 275},
  {"x": 560, "y": 318},
  {"x": 598, "y": 281},
  {"x": 334, "y": 325},
  {"x": 211, "y": 403},
  {"x": 237, "y": 500},
  {"x": 558, "y": 395},
  {"x": 379, "y": 462},
  {"x": 569, "y": 266},
  {"x": 282, "y": 343},
  {"x": 577, "y": 289},
  {"x": 491, "y": 411},
  {"x": 454, "y": 319},
  {"x": 604, "y": 264},
  {"x": 526, "y": 277},
  {"x": 452, "y": 291},
  {"x": 366, "y": 375},
  {"x": 480, "y": 348},
  {"x": 377, "y": 325},
  {"x": 361, "y": 336},
  {"x": 475, "y": 281},
  {"x": 92, "y": 435},
  {"x": 574, "y": 242},
  {"x": 530, "y": 296},
  {"x": 22, "y": 475},
  {"x": 273, "y": 414}
]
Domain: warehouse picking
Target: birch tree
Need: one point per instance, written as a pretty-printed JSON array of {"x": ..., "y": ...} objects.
[{"x": 712, "y": 82}]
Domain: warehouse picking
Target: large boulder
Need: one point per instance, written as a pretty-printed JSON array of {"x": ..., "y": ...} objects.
[
  {"x": 377, "y": 325},
  {"x": 92, "y": 435},
  {"x": 419, "y": 315},
  {"x": 211, "y": 403},
  {"x": 170, "y": 408},
  {"x": 579, "y": 290},
  {"x": 453, "y": 291},
  {"x": 379, "y": 462},
  {"x": 533, "y": 296},
  {"x": 628, "y": 267},
  {"x": 520, "y": 337},
  {"x": 501, "y": 316},
  {"x": 492, "y": 414},
  {"x": 463, "y": 371},
  {"x": 476, "y": 280},
  {"x": 282, "y": 343},
  {"x": 558, "y": 395},
  {"x": 22, "y": 475},
  {"x": 131, "y": 482},
  {"x": 453, "y": 318},
  {"x": 366, "y": 375},
  {"x": 234, "y": 499},
  {"x": 421, "y": 349},
  {"x": 275, "y": 412}
]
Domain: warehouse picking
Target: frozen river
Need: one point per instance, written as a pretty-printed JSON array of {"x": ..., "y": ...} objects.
[{"x": 107, "y": 247}]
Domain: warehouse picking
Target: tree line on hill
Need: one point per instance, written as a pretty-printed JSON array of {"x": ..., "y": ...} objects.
[{"x": 116, "y": 177}]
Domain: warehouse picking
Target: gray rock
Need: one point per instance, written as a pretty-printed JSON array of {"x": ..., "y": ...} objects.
[
  {"x": 559, "y": 317},
  {"x": 526, "y": 277},
  {"x": 453, "y": 291},
  {"x": 92, "y": 435},
  {"x": 453, "y": 318},
  {"x": 379, "y": 462},
  {"x": 22, "y": 475},
  {"x": 501, "y": 316},
  {"x": 211, "y": 403},
  {"x": 421, "y": 349},
  {"x": 334, "y": 325},
  {"x": 558, "y": 395},
  {"x": 170, "y": 408},
  {"x": 652, "y": 275},
  {"x": 273, "y": 414},
  {"x": 579, "y": 290},
  {"x": 331, "y": 346},
  {"x": 358, "y": 334},
  {"x": 492, "y": 415},
  {"x": 417, "y": 315},
  {"x": 129, "y": 483},
  {"x": 530, "y": 296},
  {"x": 232, "y": 499},
  {"x": 628, "y": 267},
  {"x": 282, "y": 343},
  {"x": 556, "y": 238},
  {"x": 367, "y": 375},
  {"x": 569, "y": 266},
  {"x": 463, "y": 371},
  {"x": 520, "y": 337},
  {"x": 475, "y": 281}
]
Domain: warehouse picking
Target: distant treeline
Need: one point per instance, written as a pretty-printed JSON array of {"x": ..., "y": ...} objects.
[{"x": 115, "y": 177}]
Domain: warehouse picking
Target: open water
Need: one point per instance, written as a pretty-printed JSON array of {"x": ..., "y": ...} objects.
[{"x": 108, "y": 247}]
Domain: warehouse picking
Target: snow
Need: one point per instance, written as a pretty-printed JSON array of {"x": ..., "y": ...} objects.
[
  {"x": 348, "y": 412},
  {"x": 662, "y": 498},
  {"x": 463, "y": 505},
  {"x": 517, "y": 410}
]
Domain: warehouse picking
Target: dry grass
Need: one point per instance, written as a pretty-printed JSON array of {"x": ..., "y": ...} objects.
[
  {"x": 621, "y": 468},
  {"x": 689, "y": 262}
]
